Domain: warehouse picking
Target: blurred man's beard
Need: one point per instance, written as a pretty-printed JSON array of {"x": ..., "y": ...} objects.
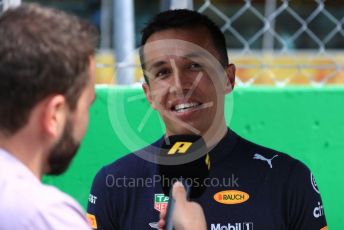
[{"x": 63, "y": 152}]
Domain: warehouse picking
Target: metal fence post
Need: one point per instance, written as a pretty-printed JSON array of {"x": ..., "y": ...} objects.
[
  {"x": 268, "y": 39},
  {"x": 105, "y": 24},
  {"x": 124, "y": 40}
]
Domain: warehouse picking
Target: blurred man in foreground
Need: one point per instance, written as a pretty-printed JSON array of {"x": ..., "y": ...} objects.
[{"x": 47, "y": 74}]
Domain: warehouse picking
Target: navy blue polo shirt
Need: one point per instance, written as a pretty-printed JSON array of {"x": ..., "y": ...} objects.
[{"x": 250, "y": 187}]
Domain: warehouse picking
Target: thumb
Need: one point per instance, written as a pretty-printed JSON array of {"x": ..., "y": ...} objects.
[{"x": 178, "y": 192}]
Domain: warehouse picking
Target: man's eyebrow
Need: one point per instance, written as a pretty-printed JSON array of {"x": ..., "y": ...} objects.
[
  {"x": 156, "y": 65},
  {"x": 196, "y": 54}
]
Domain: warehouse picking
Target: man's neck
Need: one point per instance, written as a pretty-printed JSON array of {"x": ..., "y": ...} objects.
[
  {"x": 213, "y": 138},
  {"x": 23, "y": 149}
]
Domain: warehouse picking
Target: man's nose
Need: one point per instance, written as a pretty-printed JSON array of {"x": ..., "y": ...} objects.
[{"x": 180, "y": 82}]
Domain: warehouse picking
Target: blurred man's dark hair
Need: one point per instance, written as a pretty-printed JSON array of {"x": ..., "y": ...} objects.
[{"x": 42, "y": 52}]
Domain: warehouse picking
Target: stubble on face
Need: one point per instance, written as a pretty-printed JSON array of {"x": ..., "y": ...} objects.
[{"x": 63, "y": 152}]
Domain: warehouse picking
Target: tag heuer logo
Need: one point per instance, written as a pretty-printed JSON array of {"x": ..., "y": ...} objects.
[{"x": 160, "y": 202}]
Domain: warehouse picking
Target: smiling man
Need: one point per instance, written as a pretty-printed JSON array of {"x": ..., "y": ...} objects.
[
  {"x": 188, "y": 75},
  {"x": 177, "y": 64}
]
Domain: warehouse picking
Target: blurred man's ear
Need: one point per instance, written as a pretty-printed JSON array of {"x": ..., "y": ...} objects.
[
  {"x": 148, "y": 94},
  {"x": 54, "y": 115},
  {"x": 230, "y": 78}
]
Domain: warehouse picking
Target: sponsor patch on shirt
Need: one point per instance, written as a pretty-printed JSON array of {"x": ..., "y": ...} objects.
[
  {"x": 314, "y": 184},
  {"x": 231, "y": 197},
  {"x": 318, "y": 211},
  {"x": 160, "y": 202},
  {"x": 232, "y": 226},
  {"x": 92, "y": 220},
  {"x": 92, "y": 199}
]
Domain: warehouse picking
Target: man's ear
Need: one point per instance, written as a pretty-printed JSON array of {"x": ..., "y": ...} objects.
[
  {"x": 148, "y": 94},
  {"x": 54, "y": 115},
  {"x": 230, "y": 78}
]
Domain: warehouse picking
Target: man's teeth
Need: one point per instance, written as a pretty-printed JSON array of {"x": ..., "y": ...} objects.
[{"x": 185, "y": 106}]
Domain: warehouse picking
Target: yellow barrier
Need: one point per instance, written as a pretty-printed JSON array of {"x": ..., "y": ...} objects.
[{"x": 260, "y": 69}]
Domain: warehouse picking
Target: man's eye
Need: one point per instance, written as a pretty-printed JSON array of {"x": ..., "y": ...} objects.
[
  {"x": 195, "y": 66},
  {"x": 162, "y": 73}
]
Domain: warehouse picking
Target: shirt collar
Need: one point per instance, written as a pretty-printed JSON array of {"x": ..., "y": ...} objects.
[
  {"x": 220, "y": 151},
  {"x": 224, "y": 148},
  {"x": 10, "y": 164}
]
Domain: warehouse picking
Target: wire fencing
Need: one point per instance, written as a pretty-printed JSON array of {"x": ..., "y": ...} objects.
[{"x": 282, "y": 42}]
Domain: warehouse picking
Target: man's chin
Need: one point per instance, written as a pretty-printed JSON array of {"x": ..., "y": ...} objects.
[
  {"x": 61, "y": 155},
  {"x": 59, "y": 165},
  {"x": 57, "y": 169},
  {"x": 191, "y": 129}
]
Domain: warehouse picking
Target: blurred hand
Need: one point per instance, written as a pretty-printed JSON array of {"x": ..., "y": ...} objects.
[{"x": 186, "y": 215}]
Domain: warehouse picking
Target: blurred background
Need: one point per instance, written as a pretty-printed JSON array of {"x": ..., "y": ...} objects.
[{"x": 272, "y": 42}]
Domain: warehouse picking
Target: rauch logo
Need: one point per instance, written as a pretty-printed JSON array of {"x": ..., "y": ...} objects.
[{"x": 231, "y": 197}]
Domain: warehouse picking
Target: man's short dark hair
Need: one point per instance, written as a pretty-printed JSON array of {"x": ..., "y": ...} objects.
[
  {"x": 43, "y": 52},
  {"x": 184, "y": 19}
]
